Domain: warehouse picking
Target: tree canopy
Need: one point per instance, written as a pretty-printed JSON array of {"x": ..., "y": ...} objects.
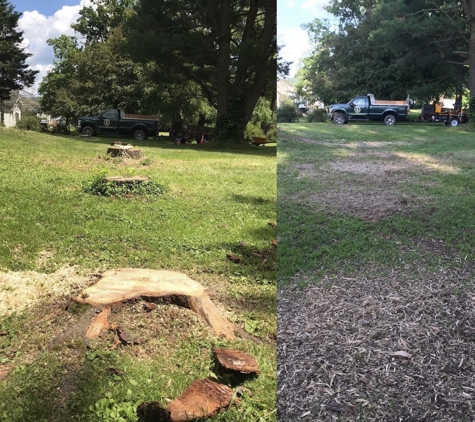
[
  {"x": 228, "y": 48},
  {"x": 391, "y": 48},
  {"x": 15, "y": 74},
  {"x": 189, "y": 60}
]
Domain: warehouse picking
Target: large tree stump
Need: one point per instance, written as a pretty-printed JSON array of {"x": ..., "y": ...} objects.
[
  {"x": 126, "y": 151},
  {"x": 128, "y": 283}
]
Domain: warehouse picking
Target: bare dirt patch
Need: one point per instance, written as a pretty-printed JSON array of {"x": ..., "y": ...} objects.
[
  {"x": 371, "y": 184},
  {"x": 390, "y": 347}
]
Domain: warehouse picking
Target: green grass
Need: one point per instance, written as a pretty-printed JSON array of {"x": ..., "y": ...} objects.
[
  {"x": 217, "y": 202},
  {"x": 315, "y": 241}
]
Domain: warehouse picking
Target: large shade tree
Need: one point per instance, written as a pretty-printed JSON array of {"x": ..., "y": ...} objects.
[
  {"x": 15, "y": 74},
  {"x": 227, "y": 48},
  {"x": 391, "y": 48},
  {"x": 93, "y": 72}
]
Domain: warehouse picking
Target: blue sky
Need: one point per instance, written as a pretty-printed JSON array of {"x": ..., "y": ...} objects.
[
  {"x": 45, "y": 7},
  {"x": 40, "y": 21},
  {"x": 291, "y": 14}
]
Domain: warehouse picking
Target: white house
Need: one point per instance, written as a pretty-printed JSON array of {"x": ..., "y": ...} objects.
[{"x": 11, "y": 110}]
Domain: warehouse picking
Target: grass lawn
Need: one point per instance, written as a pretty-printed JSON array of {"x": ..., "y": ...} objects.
[
  {"x": 56, "y": 238},
  {"x": 375, "y": 272}
]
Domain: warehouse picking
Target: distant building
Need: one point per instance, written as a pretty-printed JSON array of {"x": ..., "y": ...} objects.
[{"x": 11, "y": 110}]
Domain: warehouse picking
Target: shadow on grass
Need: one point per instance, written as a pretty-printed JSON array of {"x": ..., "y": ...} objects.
[{"x": 241, "y": 149}]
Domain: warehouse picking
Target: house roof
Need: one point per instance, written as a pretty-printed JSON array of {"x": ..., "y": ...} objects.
[{"x": 25, "y": 102}]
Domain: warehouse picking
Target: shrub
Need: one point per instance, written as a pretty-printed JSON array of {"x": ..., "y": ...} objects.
[
  {"x": 29, "y": 122},
  {"x": 317, "y": 115},
  {"x": 288, "y": 113}
]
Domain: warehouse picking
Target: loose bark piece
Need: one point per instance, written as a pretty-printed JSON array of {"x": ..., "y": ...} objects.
[
  {"x": 235, "y": 360},
  {"x": 98, "y": 324},
  {"x": 202, "y": 399},
  {"x": 128, "y": 283}
]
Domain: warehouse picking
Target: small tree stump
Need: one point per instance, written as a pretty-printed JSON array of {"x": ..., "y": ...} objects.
[
  {"x": 124, "y": 180},
  {"x": 126, "y": 151}
]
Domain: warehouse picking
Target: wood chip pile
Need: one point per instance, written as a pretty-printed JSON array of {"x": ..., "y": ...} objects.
[{"x": 379, "y": 347}]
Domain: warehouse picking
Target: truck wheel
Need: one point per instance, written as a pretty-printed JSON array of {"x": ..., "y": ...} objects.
[
  {"x": 390, "y": 119},
  {"x": 139, "y": 135},
  {"x": 454, "y": 122},
  {"x": 87, "y": 131},
  {"x": 339, "y": 118}
]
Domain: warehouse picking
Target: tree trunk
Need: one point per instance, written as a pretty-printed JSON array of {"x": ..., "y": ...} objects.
[{"x": 469, "y": 10}]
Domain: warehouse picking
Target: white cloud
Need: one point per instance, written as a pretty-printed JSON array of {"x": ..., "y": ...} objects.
[
  {"x": 38, "y": 28},
  {"x": 296, "y": 45}
]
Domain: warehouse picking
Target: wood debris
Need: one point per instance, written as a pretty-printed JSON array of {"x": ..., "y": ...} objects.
[
  {"x": 202, "y": 399},
  {"x": 237, "y": 361}
]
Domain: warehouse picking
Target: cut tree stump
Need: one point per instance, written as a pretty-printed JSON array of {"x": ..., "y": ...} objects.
[
  {"x": 236, "y": 361},
  {"x": 124, "y": 180},
  {"x": 127, "y": 151},
  {"x": 127, "y": 283},
  {"x": 202, "y": 399}
]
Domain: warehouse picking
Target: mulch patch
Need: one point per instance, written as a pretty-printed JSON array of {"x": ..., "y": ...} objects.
[{"x": 372, "y": 346}]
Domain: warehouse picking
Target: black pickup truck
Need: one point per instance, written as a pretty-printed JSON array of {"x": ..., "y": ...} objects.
[
  {"x": 116, "y": 122},
  {"x": 366, "y": 107}
]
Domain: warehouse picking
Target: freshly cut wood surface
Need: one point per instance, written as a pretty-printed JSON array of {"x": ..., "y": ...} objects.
[
  {"x": 124, "y": 180},
  {"x": 127, "y": 283}
]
